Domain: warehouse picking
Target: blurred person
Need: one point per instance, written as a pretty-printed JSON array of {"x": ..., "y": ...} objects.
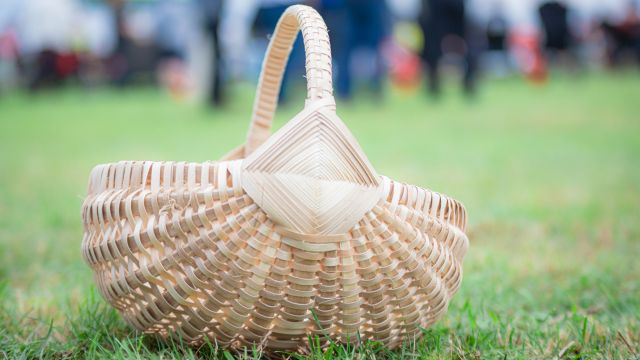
[
  {"x": 447, "y": 29},
  {"x": 497, "y": 32},
  {"x": 8, "y": 60},
  {"x": 528, "y": 55},
  {"x": 137, "y": 54},
  {"x": 357, "y": 25},
  {"x": 559, "y": 39},
  {"x": 8, "y": 46},
  {"x": 117, "y": 62},
  {"x": 623, "y": 37},
  {"x": 45, "y": 31},
  {"x": 335, "y": 15},
  {"x": 93, "y": 43},
  {"x": 236, "y": 24},
  {"x": 497, "y": 42},
  {"x": 267, "y": 17},
  {"x": 52, "y": 68},
  {"x": 402, "y": 56},
  {"x": 211, "y": 11}
]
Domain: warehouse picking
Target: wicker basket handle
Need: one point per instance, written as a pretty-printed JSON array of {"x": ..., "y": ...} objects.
[{"x": 318, "y": 67}]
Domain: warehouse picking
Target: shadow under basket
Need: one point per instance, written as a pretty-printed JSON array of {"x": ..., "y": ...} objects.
[{"x": 293, "y": 235}]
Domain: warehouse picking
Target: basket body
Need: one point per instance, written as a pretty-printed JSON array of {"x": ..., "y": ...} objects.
[{"x": 291, "y": 236}]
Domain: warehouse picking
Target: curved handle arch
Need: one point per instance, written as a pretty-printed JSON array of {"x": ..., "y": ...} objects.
[{"x": 318, "y": 68}]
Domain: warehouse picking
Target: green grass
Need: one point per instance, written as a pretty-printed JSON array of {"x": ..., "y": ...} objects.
[{"x": 550, "y": 177}]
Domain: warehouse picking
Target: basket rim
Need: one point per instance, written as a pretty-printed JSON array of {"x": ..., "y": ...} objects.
[{"x": 148, "y": 164}]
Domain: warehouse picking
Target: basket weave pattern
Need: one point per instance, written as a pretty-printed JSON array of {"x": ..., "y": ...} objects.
[{"x": 293, "y": 235}]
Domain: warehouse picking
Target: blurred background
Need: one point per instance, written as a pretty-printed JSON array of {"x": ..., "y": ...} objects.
[
  {"x": 198, "y": 49},
  {"x": 526, "y": 111}
]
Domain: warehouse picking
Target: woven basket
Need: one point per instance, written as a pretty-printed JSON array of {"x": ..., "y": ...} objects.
[{"x": 292, "y": 235}]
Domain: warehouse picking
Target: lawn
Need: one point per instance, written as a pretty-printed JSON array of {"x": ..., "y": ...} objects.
[{"x": 550, "y": 177}]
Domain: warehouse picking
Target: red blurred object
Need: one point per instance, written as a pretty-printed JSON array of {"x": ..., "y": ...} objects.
[
  {"x": 174, "y": 77},
  {"x": 528, "y": 55},
  {"x": 405, "y": 67},
  {"x": 67, "y": 64},
  {"x": 8, "y": 45}
]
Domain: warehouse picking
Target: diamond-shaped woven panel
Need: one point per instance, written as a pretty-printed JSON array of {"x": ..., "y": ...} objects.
[{"x": 312, "y": 176}]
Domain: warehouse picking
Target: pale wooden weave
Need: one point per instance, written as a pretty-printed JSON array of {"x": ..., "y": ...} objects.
[{"x": 299, "y": 238}]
